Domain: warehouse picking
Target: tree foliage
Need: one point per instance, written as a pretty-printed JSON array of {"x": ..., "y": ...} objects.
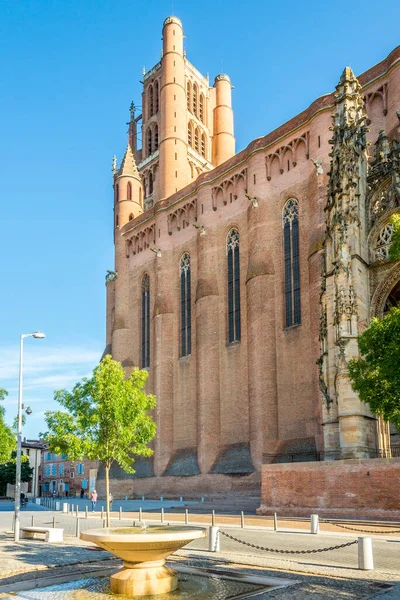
[
  {"x": 376, "y": 375},
  {"x": 394, "y": 250},
  {"x": 107, "y": 419},
  {"x": 7, "y": 437},
  {"x": 8, "y": 474}
]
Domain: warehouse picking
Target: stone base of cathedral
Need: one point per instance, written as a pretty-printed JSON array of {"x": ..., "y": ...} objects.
[
  {"x": 364, "y": 488},
  {"x": 194, "y": 487}
]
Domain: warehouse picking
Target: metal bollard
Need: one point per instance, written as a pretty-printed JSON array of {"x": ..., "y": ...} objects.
[
  {"x": 58, "y": 505},
  {"x": 142, "y": 498},
  {"x": 213, "y": 518},
  {"x": 242, "y": 519},
  {"x": 275, "y": 522},
  {"x": 77, "y": 510},
  {"x": 32, "y": 521},
  {"x": 180, "y": 499},
  {"x": 72, "y": 509},
  {"x": 314, "y": 524},
  {"x": 13, "y": 523},
  {"x": 213, "y": 539},
  {"x": 86, "y": 512},
  {"x": 162, "y": 515},
  {"x": 202, "y": 499},
  {"x": 140, "y": 514},
  {"x": 65, "y": 507},
  {"x": 187, "y": 516},
  {"x": 104, "y": 523},
  {"x": 54, "y": 522},
  {"x": 77, "y": 527},
  {"x": 120, "y": 513},
  {"x": 365, "y": 556},
  {"x": 161, "y": 498},
  {"x": 102, "y": 512}
]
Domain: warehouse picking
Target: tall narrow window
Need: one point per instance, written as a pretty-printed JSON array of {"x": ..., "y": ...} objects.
[
  {"x": 203, "y": 145},
  {"x": 145, "y": 321},
  {"x": 186, "y": 317},
  {"x": 150, "y": 183},
  {"x": 195, "y": 99},
  {"x": 196, "y": 139},
  {"x": 155, "y": 138},
  {"x": 151, "y": 101},
  {"x": 149, "y": 144},
  {"x": 201, "y": 113},
  {"x": 188, "y": 96},
  {"x": 156, "y": 96},
  {"x": 129, "y": 191},
  {"x": 290, "y": 222},
  {"x": 233, "y": 286},
  {"x": 190, "y": 135}
]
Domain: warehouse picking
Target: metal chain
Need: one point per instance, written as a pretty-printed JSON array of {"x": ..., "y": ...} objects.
[
  {"x": 359, "y": 530},
  {"x": 231, "y": 537}
]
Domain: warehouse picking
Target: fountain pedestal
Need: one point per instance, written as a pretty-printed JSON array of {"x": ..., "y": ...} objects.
[
  {"x": 144, "y": 579},
  {"x": 144, "y": 552}
]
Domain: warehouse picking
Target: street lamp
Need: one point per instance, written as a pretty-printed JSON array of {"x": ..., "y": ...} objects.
[{"x": 17, "y": 505}]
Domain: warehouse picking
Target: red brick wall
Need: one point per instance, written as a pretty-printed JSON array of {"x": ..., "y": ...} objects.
[{"x": 355, "y": 488}]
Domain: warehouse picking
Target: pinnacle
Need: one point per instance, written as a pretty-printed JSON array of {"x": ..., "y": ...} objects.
[
  {"x": 128, "y": 164},
  {"x": 347, "y": 75}
]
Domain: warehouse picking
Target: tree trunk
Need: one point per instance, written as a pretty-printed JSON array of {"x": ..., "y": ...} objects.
[{"x": 107, "y": 470}]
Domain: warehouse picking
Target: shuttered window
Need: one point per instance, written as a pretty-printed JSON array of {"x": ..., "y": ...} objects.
[
  {"x": 186, "y": 317},
  {"x": 233, "y": 286},
  {"x": 290, "y": 221},
  {"x": 145, "y": 322}
]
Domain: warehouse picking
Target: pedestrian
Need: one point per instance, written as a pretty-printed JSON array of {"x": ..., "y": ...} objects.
[
  {"x": 93, "y": 498},
  {"x": 54, "y": 493},
  {"x": 82, "y": 493},
  {"x": 110, "y": 500}
]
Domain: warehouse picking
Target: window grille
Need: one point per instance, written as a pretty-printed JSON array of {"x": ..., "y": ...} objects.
[
  {"x": 188, "y": 89},
  {"x": 196, "y": 139},
  {"x": 156, "y": 95},
  {"x": 195, "y": 100},
  {"x": 150, "y": 183},
  {"x": 290, "y": 222},
  {"x": 48, "y": 470},
  {"x": 233, "y": 286},
  {"x": 61, "y": 468},
  {"x": 80, "y": 469},
  {"x": 145, "y": 321},
  {"x": 383, "y": 242},
  {"x": 155, "y": 138},
  {"x": 151, "y": 101},
  {"x": 54, "y": 469},
  {"x": 190, "y": 135},
  {"x": 203, "y": 145},
  {"x": 186, "y": 317},
  {"x": 149, "y": 142},
  {"x": 201, "y": 113}
]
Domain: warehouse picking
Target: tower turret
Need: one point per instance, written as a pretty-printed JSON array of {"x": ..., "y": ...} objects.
[
  {"x": 173, "y": 144},
  {"x": 223, "y": 139},
  {"x": 128, "y": 190}
]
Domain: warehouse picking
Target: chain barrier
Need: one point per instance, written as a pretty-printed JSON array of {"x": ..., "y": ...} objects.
[
  {"x": 386, "y": 532},
  {"x": 235, "y": 539}
]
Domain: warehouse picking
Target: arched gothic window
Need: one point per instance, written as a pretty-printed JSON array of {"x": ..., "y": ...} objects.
[
  {"x": 201, "y": 113},
  {"x": 290, "y": 223},
  {"x": 196, "y": 139},
  {"x": 151, "y": 101},
  {"x": 194, "y": 99},
  {"x": 145, "y": 321},
  {"x": 149, "y": 141},
  {"x": 188, "y": 94},
  {"x": 156, "y": 96},
  {"x": 203, "y": 145},
  {"x": 232, "y": 249},
  {"x": 129, "y": 191},
  {"x": 383, "y": 242},
  {"x": 186, "y": 318}
]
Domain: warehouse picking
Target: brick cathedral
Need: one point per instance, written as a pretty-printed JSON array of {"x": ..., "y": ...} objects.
[{"x": 242, "y": 280}]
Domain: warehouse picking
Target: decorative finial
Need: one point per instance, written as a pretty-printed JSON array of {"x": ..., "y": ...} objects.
[
  {"x": 132, "y": 109},
  {"x": 114, "y": 164},
  {"x": 144, "y": 71}
]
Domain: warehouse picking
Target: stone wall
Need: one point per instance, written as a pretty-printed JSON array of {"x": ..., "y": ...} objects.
[{"x": 365, "y": 488}]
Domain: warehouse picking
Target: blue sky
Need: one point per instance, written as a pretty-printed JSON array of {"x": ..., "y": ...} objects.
[{"x": 69, "y": 70}]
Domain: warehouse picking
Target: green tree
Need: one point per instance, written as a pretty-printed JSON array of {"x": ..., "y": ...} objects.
[
  {"x": 7, "y": 437},
  {"x": 375, "y": 376},
  {"x": 8, "y": 473},
  {"x": 394, "y": 250},
  {"x": 106, "y": 420}
]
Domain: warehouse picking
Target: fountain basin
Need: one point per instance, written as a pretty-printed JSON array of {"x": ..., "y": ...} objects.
[{"x": 144, "y": 552}]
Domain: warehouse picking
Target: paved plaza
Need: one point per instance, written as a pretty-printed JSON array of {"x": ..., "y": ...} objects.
[{"x": 328, "y": 575}]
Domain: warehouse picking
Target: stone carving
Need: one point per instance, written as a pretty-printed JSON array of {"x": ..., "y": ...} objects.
[
  {"x": 110, "y": 276},
  {"x": 290, "y": 211},
  {"x": 383, "y": 179},
  {"x": 184, "y": 264},
  {"x": 383, "y": 242}
]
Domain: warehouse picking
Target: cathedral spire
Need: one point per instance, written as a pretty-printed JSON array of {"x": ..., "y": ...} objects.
[{"x": 128, "y": 164}]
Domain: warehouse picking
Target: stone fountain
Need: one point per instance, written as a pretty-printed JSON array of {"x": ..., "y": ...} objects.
[{"x": 143, "y": 550}]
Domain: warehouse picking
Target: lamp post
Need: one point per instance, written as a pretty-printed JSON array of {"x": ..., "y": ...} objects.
[{"x": 37, "y": 335}]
